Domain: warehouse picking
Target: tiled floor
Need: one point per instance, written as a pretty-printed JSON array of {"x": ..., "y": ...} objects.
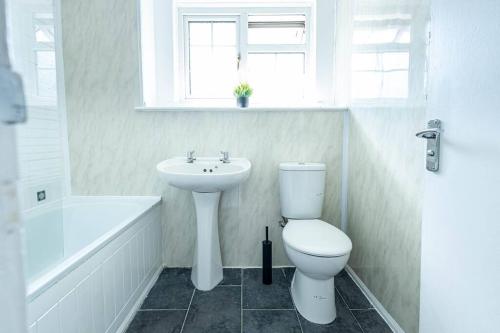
[{"x": 241, "y": 303}]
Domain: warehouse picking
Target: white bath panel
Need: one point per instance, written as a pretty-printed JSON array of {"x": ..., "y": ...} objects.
[
  {"x": 69, "y": 313},
  {"x": 84, "y": 306},
  {"x": 97, "y": 300},
  {"x": 49, "y": 322},
  {"x": 102, "y": 293}
]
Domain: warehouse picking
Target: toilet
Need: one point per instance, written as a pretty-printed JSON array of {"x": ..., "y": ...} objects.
[{"x": 317, "y": 249}]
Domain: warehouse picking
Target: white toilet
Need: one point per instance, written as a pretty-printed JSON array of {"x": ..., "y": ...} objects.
[{"x": 316, "y": 248}]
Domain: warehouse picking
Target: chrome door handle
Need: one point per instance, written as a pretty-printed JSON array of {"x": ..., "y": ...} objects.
[
  {"x": 433, "y": 136},
  {"x": 428, "y": 133}
]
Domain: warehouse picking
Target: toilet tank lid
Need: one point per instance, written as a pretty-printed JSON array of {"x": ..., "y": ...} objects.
[{"x": 302, "y": 166}]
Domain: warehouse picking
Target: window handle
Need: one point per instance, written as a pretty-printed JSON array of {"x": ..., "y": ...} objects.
[{"x": 238, "y": 60}]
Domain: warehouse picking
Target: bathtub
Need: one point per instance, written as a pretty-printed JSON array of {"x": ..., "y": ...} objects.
[{"x": 90, "y": 261}]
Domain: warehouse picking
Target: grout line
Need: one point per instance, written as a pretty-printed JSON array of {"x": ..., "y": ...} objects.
[
  {"x": 145, "y": 310},
  {"x": 268, "y": 309},
  {"x": 241, "y": 300},
  {"x": 189, "y": 307},
  {"x": 295, "y": 308},
  {"x": 298, "y": 319},
  {"x": 352, "y": 314}
]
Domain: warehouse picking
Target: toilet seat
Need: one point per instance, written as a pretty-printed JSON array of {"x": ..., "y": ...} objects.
[{"x": 316, "y": 238}]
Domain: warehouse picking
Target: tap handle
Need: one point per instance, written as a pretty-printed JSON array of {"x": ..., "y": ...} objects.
[
  {"x": 225, "y": 155},
  {"x": 190, "y": 154}
]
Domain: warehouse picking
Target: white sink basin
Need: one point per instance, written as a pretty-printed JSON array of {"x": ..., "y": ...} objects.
[
  {"x": 206, "y": 177},
  {"x": 205, "y": 174}
]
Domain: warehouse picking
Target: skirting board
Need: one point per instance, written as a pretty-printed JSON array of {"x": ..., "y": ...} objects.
[
  {"x": 374, "y": 301},
  {"x": 130, "y": 316}
]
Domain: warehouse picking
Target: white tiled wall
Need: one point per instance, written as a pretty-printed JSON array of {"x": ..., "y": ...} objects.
[{"x": 100, "y": 295}]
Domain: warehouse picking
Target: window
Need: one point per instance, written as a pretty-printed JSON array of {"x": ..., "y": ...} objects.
[
  {"x": 194, "y": 52},
  {"x": 381, "y": 57},
  {"x": 268, "y": 48},
  {"x": 45, "y": 57}
]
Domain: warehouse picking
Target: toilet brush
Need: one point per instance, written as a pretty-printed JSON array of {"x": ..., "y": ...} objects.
[{"x": 267, "y": 260}]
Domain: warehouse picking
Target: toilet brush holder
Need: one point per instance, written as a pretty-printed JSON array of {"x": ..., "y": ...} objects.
[{"x": 267, "y": 260}]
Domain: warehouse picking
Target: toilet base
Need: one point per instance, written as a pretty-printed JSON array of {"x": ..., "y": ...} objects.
[{"x": 314, "y": 299}]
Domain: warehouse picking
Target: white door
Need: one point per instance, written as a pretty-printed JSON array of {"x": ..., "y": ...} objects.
[
  {"x": 460, "y": 281},
  {"x": 12, "y": 289}
]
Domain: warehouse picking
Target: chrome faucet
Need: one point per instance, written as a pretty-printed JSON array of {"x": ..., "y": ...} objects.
[
  {"x": 190, "y": 156},
  {"x": 225, "y": 157}
]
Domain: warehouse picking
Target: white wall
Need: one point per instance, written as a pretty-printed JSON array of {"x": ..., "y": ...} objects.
[{"x": 386, "y": 169}]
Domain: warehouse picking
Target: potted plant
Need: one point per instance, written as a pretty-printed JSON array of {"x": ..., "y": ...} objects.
[{"x": 242, "y": 92}]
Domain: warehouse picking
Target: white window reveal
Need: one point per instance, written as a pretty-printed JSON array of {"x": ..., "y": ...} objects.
[{"x": 197, "y": 52}]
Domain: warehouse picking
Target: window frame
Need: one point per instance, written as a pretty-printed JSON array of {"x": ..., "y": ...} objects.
[{"x": 240, "y": 15}]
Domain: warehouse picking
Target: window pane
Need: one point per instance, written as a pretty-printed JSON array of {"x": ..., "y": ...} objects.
[
  {"x": 224, "y": 34},
  {"x": 212, "y": 59},
  {"x": 278, "y": 29},
  {"x": 200, "y": 33},
  {"x": 277, "y": 75}
]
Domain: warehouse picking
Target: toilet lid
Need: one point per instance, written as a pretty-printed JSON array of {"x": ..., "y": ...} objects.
[{"x": 317, "y": 238}]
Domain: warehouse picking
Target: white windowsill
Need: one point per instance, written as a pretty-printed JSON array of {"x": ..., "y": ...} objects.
[{"x": 226, "y": 108}]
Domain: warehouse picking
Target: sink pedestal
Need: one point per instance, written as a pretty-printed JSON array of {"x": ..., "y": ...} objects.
[{"x": 207, "y": 264}]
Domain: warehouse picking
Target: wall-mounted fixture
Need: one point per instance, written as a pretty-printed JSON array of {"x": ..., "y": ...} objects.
[{"x": 432, "y": 134}]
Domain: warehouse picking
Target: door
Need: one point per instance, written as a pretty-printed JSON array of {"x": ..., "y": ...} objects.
[
  {"x": 12, "y": 289},
  {"x": 460, "y": 272}
]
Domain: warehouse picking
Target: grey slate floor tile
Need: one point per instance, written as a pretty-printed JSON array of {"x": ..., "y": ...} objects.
[
  {"x": 289, "y": 271},
  {"x": 173, "y": 290},
  {"x": 344, "y": 323},
  {"x": 241, "y": 303},
  {"x": 259, "y": 296},
  {"x": 156, "y": 321},
  {"x": 371, "y": 322},
  {"x": 270, "y": 321},
  {"x": 353, "y": 296},
  {"x": 217, "y": 310},
  {"x": 231, "y": 277}
]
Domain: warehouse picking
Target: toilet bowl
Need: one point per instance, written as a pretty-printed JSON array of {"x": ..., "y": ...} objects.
[
  {"x": 316, "y": 248},
  {"x": 319, "y": 251}
]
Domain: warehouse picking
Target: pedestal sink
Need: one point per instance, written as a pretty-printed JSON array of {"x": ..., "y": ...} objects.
[{"x": 206, "y": 177}]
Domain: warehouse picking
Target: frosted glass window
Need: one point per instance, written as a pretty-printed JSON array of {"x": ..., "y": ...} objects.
[
  {"x": 276, "y": 29},
  {"x": 213, "y": 59},
  {"x": 275, "y": 75}
]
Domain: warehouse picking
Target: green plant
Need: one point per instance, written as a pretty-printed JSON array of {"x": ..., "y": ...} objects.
[{"x": 243, "y": 90}]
